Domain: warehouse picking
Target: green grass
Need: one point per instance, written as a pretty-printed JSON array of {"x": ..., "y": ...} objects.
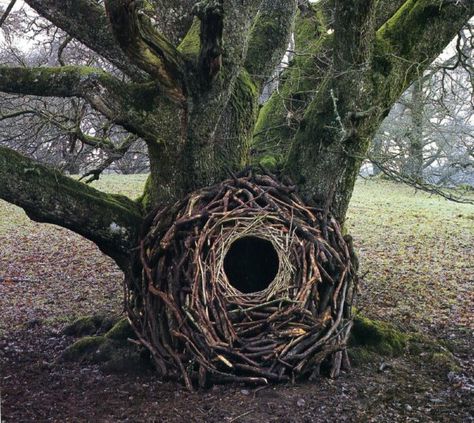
[
  {"x": 129, "y": 185},
  {"x": 418, "y": 251}
]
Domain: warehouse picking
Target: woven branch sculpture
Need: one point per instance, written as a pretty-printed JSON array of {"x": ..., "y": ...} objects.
[{"x": 243, "y": 282}]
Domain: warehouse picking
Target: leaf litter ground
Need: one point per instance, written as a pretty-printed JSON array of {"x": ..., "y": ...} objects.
[{"x": 418, "y": 252}]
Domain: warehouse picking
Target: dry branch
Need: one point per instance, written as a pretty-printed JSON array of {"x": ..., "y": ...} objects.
[{"x": 202, "y": 329}]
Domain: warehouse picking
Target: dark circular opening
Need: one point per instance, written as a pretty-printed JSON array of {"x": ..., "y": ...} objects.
[{"x": 251, "y": 264}]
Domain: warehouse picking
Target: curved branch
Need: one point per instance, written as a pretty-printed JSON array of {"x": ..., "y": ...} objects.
[
  {"x": 118, "y": 101},
  {"x": 148, "y": 49},
  {"x": 86, "y": 21},
  {"x": 412, "y": 39},
  {"x": 99, "y": 88},
  {"x": 110, "y": 221},
  {"x": 270, "y": 37}
]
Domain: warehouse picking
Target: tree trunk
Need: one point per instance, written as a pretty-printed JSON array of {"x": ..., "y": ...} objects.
[
  {"x": 413, "y": 168},
  {"x": 332, "y": 115}
]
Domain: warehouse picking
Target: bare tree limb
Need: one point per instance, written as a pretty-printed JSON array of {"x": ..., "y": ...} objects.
[
  {"x": 394, "y": 175},
  {"x": 114, "y": 155}
]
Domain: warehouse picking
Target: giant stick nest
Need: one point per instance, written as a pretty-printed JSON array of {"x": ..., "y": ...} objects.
[{"x": 243, "y": 282}]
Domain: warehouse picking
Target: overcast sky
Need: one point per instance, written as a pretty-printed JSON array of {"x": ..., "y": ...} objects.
[{"x": 5, "y": 3}]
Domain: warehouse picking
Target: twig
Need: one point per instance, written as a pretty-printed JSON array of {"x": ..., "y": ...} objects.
[{"x": 7, "y": 12}]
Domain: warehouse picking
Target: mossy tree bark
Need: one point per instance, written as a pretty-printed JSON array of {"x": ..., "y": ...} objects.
[{"x": 192, "y": 95}]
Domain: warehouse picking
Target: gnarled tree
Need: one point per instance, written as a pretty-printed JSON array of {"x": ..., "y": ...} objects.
[{"x": 189, "y": 87}]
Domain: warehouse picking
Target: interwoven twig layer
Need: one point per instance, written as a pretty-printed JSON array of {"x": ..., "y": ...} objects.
[{"x": 201, "y": 329}]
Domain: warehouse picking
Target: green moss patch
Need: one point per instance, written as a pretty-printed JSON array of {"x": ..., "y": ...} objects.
[
  {"x": 371, "y": 339},
  {"x": 379, "y": 337},
  {"x": 121, "y": 331},
  {"x": 90, "y": 325},
  {"x": 85, "y": 348},
  {"x": 110, "y": 347}
]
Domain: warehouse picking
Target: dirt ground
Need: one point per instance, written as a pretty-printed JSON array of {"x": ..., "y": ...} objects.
[
  {"x": 36, "y": 387},
  {"x": 50, "y": 276}
]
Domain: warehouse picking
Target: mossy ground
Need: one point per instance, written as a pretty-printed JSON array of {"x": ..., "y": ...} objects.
[
  {"x": 372, "y": 340},
  {"x": 110, "y": 346}
]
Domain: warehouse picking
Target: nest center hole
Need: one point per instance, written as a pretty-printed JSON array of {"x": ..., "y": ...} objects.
[{"x": 251, "y": 264}]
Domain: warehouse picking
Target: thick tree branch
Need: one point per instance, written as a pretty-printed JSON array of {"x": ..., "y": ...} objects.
[
  {"x": 147, "y": 48},
  {"x": 120, "y": 102},
  {"x": 354, "y": 34},
  {"x": 385, "y": 9},
  {"x": 410, "y": 41},
  {"x": 211, "y": 15},
  {"x": 219, "y": 39},
  {"x": 111, "y": 221},
  {"x": 102, "y": 90},
  {"x": 86, "y": 21},
  {"x": 65, "y": 81},
  {"x": 173, "y": 17},
  {"x": 282, "y": 114},
  {"x": 270, "y": 37}
]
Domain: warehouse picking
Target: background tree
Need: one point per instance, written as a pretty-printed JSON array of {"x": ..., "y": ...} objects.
[{"x": 427, "y": 137}]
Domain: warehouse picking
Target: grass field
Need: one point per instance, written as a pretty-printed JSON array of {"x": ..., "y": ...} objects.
[
  {"x": 417, "y": 257},
  {"x": 418, "y": 251}
]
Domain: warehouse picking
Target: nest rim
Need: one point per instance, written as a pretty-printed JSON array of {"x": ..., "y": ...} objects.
[
  {"x": 199, "y": 327},
  {"x": 255, "y": 229}
]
